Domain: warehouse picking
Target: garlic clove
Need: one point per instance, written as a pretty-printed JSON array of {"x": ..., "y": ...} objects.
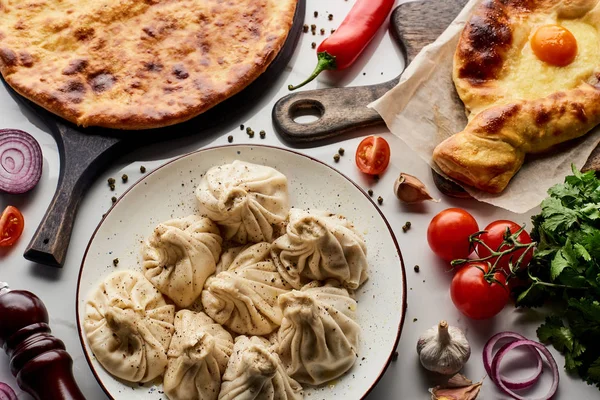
[
  {"x": 411, "y": 190},
  {"x": 463, "y": 393}
]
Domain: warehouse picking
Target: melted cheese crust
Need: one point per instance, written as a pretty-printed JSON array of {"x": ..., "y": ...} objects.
[{"x": 527, "y": 77}]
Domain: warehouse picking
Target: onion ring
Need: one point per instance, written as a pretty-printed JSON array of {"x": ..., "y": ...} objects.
[
  {"x": 488, "y": 356},
  {"x": 530, "y": 343},
  {"x": 6, "y": 393},
  {"x": 20, "y": 161}
]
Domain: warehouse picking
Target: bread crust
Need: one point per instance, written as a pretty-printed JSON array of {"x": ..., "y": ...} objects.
[
  {"x": 137, "y": 64},
  {"x": 503, "y": 129}
]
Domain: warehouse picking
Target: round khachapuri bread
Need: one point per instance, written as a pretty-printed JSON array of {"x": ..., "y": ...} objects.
[
  {"x": 528, "y": 74},
  {"x": 137, "y": 64}
]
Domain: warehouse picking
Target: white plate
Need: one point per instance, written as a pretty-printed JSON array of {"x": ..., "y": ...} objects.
[{"x": 168, "y": 192}]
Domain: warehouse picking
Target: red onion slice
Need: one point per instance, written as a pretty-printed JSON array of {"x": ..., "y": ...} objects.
[
  {"x": 6, "y": 393},
  {"x": 530, "y": 343},
  {"x": 488, "y": 356},
  {"x": 20, "y": 161}
]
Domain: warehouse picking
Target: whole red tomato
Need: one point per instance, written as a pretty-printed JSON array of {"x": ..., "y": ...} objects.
[
  {"x": 448, "y": 233},
  {"x": 494, "y": 236},
  {"x": 474, "y": 295}
]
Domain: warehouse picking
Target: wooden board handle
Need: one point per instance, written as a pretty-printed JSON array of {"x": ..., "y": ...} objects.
[
  {"x": 340, "y": 110},
  {"x": 82, "y": 157}
]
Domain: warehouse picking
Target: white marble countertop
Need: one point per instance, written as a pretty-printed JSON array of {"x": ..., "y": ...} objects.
[{"x": 428, "y": 294}]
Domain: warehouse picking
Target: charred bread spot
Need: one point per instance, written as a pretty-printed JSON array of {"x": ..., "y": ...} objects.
[
  {"x": 26, "y": 59},
  {"x": 75, "y": 66},
  {"x": 542, "y": 115},
  {"x": 579, "y": 111},
  {"x": 180, "y": 72},
  {"x": 153, "y": 66},
  {"x": 8, "y": 57},
  {"x": 74, "y": 91},
  {"x": 496, "y": 118},
  {"x": 84, "y": 34},
  {"x": 101, "y": 81},
  {"x": 485, "y": 40},
  {"x": 150, "y": 31}
]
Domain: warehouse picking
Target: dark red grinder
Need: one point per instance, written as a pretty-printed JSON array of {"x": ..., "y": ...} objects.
[{"x": 38, "y": 360}]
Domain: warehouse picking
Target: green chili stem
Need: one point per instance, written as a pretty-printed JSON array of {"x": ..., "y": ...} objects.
[{"x": 325, "y": 62}]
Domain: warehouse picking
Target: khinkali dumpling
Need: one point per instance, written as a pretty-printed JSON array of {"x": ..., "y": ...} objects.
[
  {"x": 319, "y": 245},
  {"x": 318, "y": 338},
  {"x": 244, "y": 297},
  {"x": 179, "y": 256},
  {"x": 129, "y": 326},
  {"x": 249, "y": 201},
  {"x": 255, "y": 372},
  {"x": 198, "y": 356}
]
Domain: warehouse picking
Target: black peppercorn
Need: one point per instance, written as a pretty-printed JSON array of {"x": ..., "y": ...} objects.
[
  {"x": 124, "y": 178},
  {"x": 230, "y": 138},
  {"x": 143, "y": 169},
  {"x": 336, "y": 157},
  {"x": 370, "y": 192},
  {"x": 380, "y": 200}
]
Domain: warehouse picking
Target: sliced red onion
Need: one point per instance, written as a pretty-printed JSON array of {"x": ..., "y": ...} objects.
[
  {"x": 6, "y": 393},
  {"x": 20, "y": 161},
  {"x": 488, "y": 356},
  {"x": 529, "y": 343}
]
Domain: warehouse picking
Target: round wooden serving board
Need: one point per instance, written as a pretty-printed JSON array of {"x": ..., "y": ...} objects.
[{"x": 86, "y": 152}]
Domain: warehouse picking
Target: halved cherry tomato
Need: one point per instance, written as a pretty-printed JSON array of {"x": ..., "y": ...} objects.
[
  {"x": 494, "y": 238},
  {"x": 474, "y": 295},
  {"x": 11, "y": 226},
  {"x": 373, "y": 155},
  {"x": 448, "y": 233}
]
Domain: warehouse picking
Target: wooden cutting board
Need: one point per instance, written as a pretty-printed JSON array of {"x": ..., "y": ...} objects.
[
  {"x": 86, "y": 152},
  {"x": 413, "y": 26}
]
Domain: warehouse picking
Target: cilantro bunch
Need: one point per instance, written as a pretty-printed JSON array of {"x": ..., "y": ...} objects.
[{"x": 565, "y": 270}]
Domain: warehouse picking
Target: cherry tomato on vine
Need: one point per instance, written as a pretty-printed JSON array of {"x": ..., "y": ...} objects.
[
  {"x": 476, "y": 296},
  {"x": 11, "y": 226},
  {"x": 494, "y": 238},
  {"x": 373, "y": 155},
  {"x": 448, "y": 233}
]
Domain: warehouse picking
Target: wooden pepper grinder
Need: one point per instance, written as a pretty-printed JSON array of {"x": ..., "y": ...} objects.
[{"x": 38, "y": 360}]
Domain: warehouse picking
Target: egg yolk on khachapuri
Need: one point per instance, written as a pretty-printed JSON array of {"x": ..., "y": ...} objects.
[{"x": 555, "y": 45}]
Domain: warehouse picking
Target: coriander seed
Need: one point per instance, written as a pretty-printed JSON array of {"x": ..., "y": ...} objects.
[
  {"x": 336, "y": 157},
  {"x": 111, "y": 181},
  {"x": 262, "y": 134},
  {"x": 124, "y": 178}
]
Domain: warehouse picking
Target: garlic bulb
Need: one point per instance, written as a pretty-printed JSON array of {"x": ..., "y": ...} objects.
[
  {"x": 409, "y": 189},
  {"x": 443, "y": 349}
]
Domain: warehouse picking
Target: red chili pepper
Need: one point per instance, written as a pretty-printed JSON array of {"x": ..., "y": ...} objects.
[{"x": 343, "y": 47}]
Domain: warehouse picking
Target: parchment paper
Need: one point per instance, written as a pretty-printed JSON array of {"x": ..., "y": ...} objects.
[{"x": 424, "y": 109}]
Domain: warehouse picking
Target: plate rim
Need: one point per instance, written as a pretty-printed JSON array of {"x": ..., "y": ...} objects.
[{"x": 404, "y": 304}]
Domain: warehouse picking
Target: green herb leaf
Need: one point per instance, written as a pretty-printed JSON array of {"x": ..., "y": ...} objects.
[{"x": 566, "y": 268}]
